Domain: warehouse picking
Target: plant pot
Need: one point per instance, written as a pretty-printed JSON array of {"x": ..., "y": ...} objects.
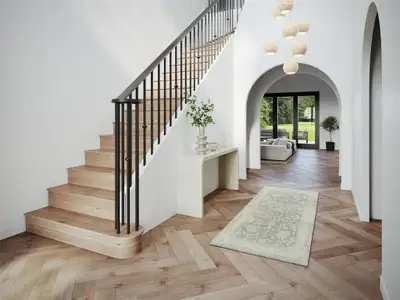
[{"x": 330, "y": 146}]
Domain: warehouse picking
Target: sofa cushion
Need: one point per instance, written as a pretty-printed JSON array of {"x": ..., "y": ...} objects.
[
  {"x": 276, "y": 142},
  {"x": 282, "y": 142}
]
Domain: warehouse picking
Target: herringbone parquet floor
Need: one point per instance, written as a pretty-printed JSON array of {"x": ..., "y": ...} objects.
[{"x": 178, "y": 263}]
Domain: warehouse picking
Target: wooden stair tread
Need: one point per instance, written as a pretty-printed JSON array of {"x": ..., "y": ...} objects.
[
  {"x": 93, "y": 169},
  {"x": 73, "y": 219},
  {"x": 108, "y": 151},
  {"x": 83, "y": 190}
]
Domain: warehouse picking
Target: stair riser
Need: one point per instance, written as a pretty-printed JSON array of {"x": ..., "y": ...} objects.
[
  {"x": 106, "y": 160},
  {"x": 194, "y": 64},
  {"x": 148, "y": 129},
  {"x": 195, "y": 74},
  {"x": 92, "y": 206},
  {"x": 91, "y": 179},
  {"x": 120, "y": 248},
  {"x": 148, "y": 115},
  {"x": 109, "y": 143},
  {"x": 167, "y": 95},
  {"x": 173, "y": 84}
]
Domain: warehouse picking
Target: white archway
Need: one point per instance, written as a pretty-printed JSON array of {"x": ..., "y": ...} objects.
[
  {"x": 263, "y": 83},
  {"x": 370, "y": 108}
]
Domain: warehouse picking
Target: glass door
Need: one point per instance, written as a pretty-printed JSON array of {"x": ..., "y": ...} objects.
[
  {"x": 267, "y": 120},
  {"x": 285, "y": 117},
  {"x": 291, "y": 116},
  {"x": 307, "y": 115}
]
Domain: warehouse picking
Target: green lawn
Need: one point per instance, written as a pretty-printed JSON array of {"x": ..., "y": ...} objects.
[{"x": 302, "y": 125}]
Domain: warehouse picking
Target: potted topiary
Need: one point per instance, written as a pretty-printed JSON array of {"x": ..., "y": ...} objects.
[{"x": 330, "y": 124}]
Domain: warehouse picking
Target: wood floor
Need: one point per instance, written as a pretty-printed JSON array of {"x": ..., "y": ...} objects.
[{"x": 178, "y": 263}]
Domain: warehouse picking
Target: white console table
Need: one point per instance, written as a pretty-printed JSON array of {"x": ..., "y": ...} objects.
[{"x": 200, "y": 173}]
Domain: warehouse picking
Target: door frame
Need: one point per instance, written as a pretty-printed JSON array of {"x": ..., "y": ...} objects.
[{"x": 295, "y": 96}]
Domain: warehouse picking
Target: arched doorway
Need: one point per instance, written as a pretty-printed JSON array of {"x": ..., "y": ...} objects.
[
  {"x": 260, "y": 87},
  {"x": 375, "y": 124}
]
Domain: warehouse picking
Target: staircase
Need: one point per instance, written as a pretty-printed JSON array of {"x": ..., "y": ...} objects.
[{"x": 93, "y": 209}]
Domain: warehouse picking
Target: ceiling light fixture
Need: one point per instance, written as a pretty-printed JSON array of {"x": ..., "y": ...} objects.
[
  {"x": 299, "y": 48},
  {"x": 303, "y": 27},
  {"x": 290, "y": 30},
  {"x": 286, "y": 6},
  {"x": 271, "y": 47},
  {"x": 291, "y": 67},
  {"x": 276, "y": 12}
]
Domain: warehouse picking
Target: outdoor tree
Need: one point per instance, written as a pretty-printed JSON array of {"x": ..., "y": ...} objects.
[
  {"x": 266, "y": 113},
  {"x": 304, "y": 103},
  {"x": 285, "y": 110}
]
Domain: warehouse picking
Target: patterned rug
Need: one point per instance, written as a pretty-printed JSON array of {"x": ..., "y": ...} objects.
[{"x": 278, "y": 223}]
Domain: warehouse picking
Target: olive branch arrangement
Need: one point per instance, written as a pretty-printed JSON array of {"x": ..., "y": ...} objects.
[{"x": 200, "y": 112}]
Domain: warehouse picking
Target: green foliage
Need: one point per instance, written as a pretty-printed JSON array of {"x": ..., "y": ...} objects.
[
  {"x": 330, "y": 124},
  {"x": 200, "y": 112},
  {"x": 266, "y": 113},
  {"x": 304, "y": 103},
  {"x": 285, "y": 110}
]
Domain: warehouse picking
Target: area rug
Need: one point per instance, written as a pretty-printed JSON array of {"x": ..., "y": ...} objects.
[{"x": 278, "y": 223}]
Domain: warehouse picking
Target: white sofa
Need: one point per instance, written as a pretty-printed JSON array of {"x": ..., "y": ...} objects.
[{"x": 277, "y": 149}]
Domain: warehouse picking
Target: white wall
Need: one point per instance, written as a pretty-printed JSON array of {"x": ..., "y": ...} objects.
[
  {"x": 376, "y": 125},
  {"x": 61, "y": 63},
  {"x": 329, "y": 104}
]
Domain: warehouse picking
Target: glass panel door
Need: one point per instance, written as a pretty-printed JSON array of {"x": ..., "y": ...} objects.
[
  {"x": 307, "y": 121},
  {"x": 285, "y": 117},
  {"x": 267, "y": 118}
]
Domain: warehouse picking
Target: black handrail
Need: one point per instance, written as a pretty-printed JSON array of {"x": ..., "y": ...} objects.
[
  {"x": 129, "y": 90},
  {"x": 185, "y": 61}
]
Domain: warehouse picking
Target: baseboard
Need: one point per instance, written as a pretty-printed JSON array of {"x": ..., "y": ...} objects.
[{"x": 383, "y": 290}]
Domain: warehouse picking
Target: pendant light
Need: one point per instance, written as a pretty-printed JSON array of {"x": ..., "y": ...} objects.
[
  {"x": 291, "y": 67},
  {"x": 290, "y": 30},
  {"x": 303, "y": 27},
  {"x": 299, "y": 48},
  {"x": 286, "y": 6},
  {"x": 271, "y": 47},
  {"x": 276, "y": 12}
]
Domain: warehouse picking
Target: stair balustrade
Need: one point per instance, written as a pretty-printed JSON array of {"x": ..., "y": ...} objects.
[{"x": 152, "y": 101}]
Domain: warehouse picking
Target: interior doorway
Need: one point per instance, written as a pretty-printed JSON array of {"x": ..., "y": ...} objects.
[
  {"x": 292, "y": 116},
  {"x": 375, "y": 124}
]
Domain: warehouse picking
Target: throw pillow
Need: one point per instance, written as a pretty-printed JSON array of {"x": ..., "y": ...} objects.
[{"x": 276, "y": 142}]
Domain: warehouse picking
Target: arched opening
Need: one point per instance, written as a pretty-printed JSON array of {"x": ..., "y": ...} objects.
[
  {"x": 375, "y": 124},
  {"x": 275, "y": 80}
]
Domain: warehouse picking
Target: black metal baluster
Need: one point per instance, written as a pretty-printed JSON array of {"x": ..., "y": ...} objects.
[
  {"x": 122, "y": 162},
  {"x": 186, "y": 58},
  {"x": 190, "y": 63},
  {"x": 181, "y": 71},
  {"x": 214, "y": 23},
  {"x": 152, "y": 116},
  {"x": 129, "y": 165},
  {"x": 237, "y": 12},
  {"x": 159, "y": 104},
  {"x": 137, "y": 160},
  {"x": 231, "y": 5},
  {"x": 144, "y": 126},
  {"x": 220, "y": 15},
  {"x": 194, "y": 60},
  {"x": 170, "y": 88},
  {"x": 116, "y": 166},
  {"x": 165, "y": 96},
  {"x": 198, "y": 52},
  {"x": 176, "y": 82},
  {"x": 209, "y": 39}
]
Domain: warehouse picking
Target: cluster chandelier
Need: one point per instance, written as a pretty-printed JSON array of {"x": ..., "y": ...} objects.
[{"x": 290, "y": 31}]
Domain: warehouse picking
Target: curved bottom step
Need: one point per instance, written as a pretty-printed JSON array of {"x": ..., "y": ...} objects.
[{"x": 83, "y": 231}]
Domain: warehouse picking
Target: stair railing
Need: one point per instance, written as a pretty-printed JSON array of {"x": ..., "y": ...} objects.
[{"x": 192, "y": 53}]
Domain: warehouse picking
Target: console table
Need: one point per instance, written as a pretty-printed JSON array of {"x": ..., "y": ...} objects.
[{"x": 199, "y": 175}]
